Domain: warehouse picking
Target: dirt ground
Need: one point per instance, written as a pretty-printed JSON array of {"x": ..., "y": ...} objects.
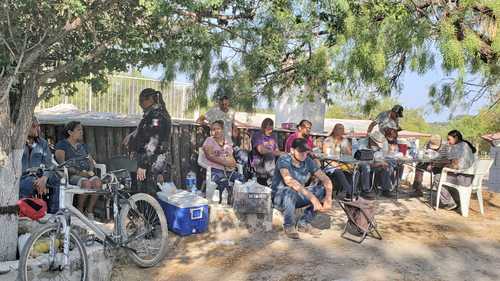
[{"x": 418, "y": 243}]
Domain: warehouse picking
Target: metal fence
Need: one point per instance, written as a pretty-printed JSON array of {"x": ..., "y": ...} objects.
[{"x": 122, "y": 96}]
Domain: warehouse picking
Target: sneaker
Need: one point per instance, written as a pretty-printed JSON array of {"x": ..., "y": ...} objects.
[
  {"x": 450, "y": 207},
  {"x": 291, "y": 232},
  {"x": 308, "y": 228}
]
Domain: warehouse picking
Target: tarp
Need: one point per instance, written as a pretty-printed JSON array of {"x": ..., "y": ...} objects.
[{"x": 491, "y": 137}]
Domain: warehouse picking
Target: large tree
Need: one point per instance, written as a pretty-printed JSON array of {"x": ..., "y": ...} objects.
[
  {"x": 360, "y": 48},
  {"x": 48, "y": 45}
]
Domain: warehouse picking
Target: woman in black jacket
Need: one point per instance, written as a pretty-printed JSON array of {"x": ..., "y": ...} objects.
[{"x": 150, "y": 141}]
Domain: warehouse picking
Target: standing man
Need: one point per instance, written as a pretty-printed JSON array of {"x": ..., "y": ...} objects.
[
  {"x": 387, "y": 119},
  {"x": 303, "y": 132},
  {"x": 224, "y": 113},
  {"x": 293, "y": 170}
]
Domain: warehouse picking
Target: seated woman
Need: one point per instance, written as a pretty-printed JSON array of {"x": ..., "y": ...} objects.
[
  {"x": 264, "y": 152},
  {"x": 219, "y": 154},
  {"x": 81, "y": 171},
  {"x": 337, "y": 144},
  {"x": 461, "y": 154}
]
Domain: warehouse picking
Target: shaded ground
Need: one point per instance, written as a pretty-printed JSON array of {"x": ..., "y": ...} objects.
[{"x": 418, "y": 244}]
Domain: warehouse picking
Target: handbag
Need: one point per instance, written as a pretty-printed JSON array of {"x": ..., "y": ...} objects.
[{"x": 364, "y": 155}]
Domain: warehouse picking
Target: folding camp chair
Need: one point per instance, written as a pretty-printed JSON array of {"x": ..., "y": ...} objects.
[{"x": 360, "y": 220}]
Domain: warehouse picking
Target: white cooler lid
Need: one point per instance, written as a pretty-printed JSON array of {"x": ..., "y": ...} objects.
[{"x": 184, "y": 199}]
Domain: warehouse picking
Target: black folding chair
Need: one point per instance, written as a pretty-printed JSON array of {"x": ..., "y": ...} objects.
[{"x": 360, "y": 220}]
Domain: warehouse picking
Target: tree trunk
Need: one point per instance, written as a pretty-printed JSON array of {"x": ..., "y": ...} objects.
[
  {"x": 13, "y": 134},
  {"x": 9, "y": 193}
]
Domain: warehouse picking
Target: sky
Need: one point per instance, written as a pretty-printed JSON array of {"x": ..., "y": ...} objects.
[{"x": 414, "y": 93}]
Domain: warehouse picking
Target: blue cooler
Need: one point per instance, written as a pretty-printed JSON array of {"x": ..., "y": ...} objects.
[{"x": 186, "y": 213}]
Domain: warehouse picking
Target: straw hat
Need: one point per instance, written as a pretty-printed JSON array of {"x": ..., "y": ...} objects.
[{"x": 435, "y": 142}]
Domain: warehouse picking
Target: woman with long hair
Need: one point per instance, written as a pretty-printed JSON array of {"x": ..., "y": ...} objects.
[
  {"x": 337, "y": 144},
  {"x": 150, "y": 141},
  {"x": 264, "y": 152},
  {"x": 461, "y": 155}
]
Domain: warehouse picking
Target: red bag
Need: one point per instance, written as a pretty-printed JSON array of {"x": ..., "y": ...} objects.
[{"x": 33, "y": 208}]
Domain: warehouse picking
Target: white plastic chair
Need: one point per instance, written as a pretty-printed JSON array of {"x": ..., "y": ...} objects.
[
  {"x": 478, "y": 170},
  {"x": 75, "y": 189},
  {"x": 210, "y": 185}
]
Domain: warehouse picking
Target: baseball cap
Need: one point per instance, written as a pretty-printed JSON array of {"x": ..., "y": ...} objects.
[
  {"x": 398, "y": 109},
  {"x": 300, "y": 145}
]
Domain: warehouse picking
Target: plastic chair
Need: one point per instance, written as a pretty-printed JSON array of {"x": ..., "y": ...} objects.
[
  {"x": 478, "y": 170},
  {"x": 210, "y": 185},
  {"x": 74, "y": 189}
]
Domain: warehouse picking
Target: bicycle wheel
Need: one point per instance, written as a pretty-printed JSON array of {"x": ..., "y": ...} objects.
[
  {"x": 42, "y": 257},
  {"x": 145, "y": 230}
]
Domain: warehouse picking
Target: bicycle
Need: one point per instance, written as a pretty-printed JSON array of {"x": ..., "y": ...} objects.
[{"x": 56, "y": 251}]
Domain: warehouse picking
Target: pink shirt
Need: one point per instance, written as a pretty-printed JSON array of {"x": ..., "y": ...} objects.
[
  {"x": 220, "y": 151},
  {"x": 294, "y": 136}
]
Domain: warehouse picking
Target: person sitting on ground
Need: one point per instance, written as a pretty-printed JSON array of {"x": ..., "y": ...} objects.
[
  {"x": 378, "y": 143},
  {"x": 435, "y": 143},
  {"x": 461, "y": 153},
  {"x": 219, "y": 155},
  {"x": 289, "y": 192},
  {"x": 81, "y": 170},
  {"x": 338, "y": 145},
  {"x": 387, "y": 119},
  {"x": 37, "y": 153},
  {"x": 303, "y": 132},
  {"x": 264, "y": 152}
]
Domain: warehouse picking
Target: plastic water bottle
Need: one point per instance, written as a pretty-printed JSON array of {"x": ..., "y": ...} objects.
[
  {"x": 355, "y": 145},
  {"x": 191, "y": 182},
  {"x": 413, "y": 149},
  {"x": 224, "y": 197}
]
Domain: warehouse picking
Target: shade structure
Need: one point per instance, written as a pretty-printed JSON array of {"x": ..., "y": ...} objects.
[{"x": 492, "y": 136}]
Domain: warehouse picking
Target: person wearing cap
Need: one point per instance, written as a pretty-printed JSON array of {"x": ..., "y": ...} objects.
[
  {"x": 387, "y": 119},
  {"x": 36, "y": 153},
  {"x": 435, "y": 143},
  {"x": 303, "y": 132},
  {"x": 379, "y": 144},
  {"x": 293, "y": 170}
]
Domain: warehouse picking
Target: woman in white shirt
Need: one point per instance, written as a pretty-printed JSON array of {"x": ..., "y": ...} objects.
[
  {"x": 461, "y": 155},
  {"x": 336, "y": 144}
]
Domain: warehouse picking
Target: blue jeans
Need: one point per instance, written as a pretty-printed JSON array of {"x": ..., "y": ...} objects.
[
  {"x": 287, "y": 200},
  {"x": 225, "y": 180},
  {"x": 26, "y": 190}
]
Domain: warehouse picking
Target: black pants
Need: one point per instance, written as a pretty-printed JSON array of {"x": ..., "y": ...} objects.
[{"x": 340, "y": 180}]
